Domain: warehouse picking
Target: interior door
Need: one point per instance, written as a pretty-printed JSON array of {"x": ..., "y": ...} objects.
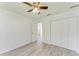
[
  {"x": 72, "y": 33},
  {"x": 59, "y": 33},
  {"x": 64, "y": 33}
]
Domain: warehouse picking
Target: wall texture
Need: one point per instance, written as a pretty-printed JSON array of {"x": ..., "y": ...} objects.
[{"x": 15, "y": 30}]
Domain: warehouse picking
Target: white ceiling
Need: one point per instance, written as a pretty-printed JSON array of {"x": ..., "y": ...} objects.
[{"x": 53, "y": 8}]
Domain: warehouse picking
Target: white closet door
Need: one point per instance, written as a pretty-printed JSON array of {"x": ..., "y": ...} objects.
[
  {"x": 59, "y": 33},
  {"x": 63, "y": 33},
  {"x": 72, "y": 33}
]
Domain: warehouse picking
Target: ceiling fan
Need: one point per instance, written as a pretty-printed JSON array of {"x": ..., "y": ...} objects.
[{"x": 36, "y": 7}]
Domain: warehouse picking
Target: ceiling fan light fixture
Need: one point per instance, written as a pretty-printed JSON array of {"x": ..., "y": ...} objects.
[
  {"x": 36, "y": 7},
  {"x": 36, "y": 10}
]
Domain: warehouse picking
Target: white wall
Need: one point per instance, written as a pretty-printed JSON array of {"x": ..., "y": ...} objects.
[
  {"x": 15, "y": 30},
  {"x": 34, "y": 30},
  {"x": 47, "y": 25}
]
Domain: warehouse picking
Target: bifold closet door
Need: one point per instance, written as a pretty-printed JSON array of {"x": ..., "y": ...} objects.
[{"x": 64, "y": 33}]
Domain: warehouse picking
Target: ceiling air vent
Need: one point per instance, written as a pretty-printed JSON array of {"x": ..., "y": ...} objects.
[{"x": 74, "y": 6}]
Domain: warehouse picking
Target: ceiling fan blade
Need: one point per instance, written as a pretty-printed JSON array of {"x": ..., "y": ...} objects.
[
  {"x": 30, "y": 10},
  {"x": 43, "y": 7},
  {"x": 29, "y": 4}
]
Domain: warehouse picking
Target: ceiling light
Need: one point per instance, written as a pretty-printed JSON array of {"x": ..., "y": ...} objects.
[{"x": 36, "y": 10}]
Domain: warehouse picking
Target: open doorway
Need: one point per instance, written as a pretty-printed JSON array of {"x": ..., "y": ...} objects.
[{"x": 39, "y": 32}]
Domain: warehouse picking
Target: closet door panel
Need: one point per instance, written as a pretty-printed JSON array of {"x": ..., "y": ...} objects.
[
  {"x": 64, "y": 33},
  {"x": 72, "y": 33},
  {"x": 59, "y": 33}
]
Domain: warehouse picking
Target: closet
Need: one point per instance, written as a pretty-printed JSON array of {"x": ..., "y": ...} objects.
[{"x": 64, "y": 32}]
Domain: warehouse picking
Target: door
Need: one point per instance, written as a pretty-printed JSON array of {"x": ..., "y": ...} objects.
[
  {"x": 59, "y": 33},
  {"x": 64, "y": 33},
  {"x": 39, "y": 32}
]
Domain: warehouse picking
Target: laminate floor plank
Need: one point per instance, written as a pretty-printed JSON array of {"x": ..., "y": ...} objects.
[{"x": 40, "y": 49}]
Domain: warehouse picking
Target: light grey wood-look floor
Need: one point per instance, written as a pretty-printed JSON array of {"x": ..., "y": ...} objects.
[{"x": 40, "y": 49}]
